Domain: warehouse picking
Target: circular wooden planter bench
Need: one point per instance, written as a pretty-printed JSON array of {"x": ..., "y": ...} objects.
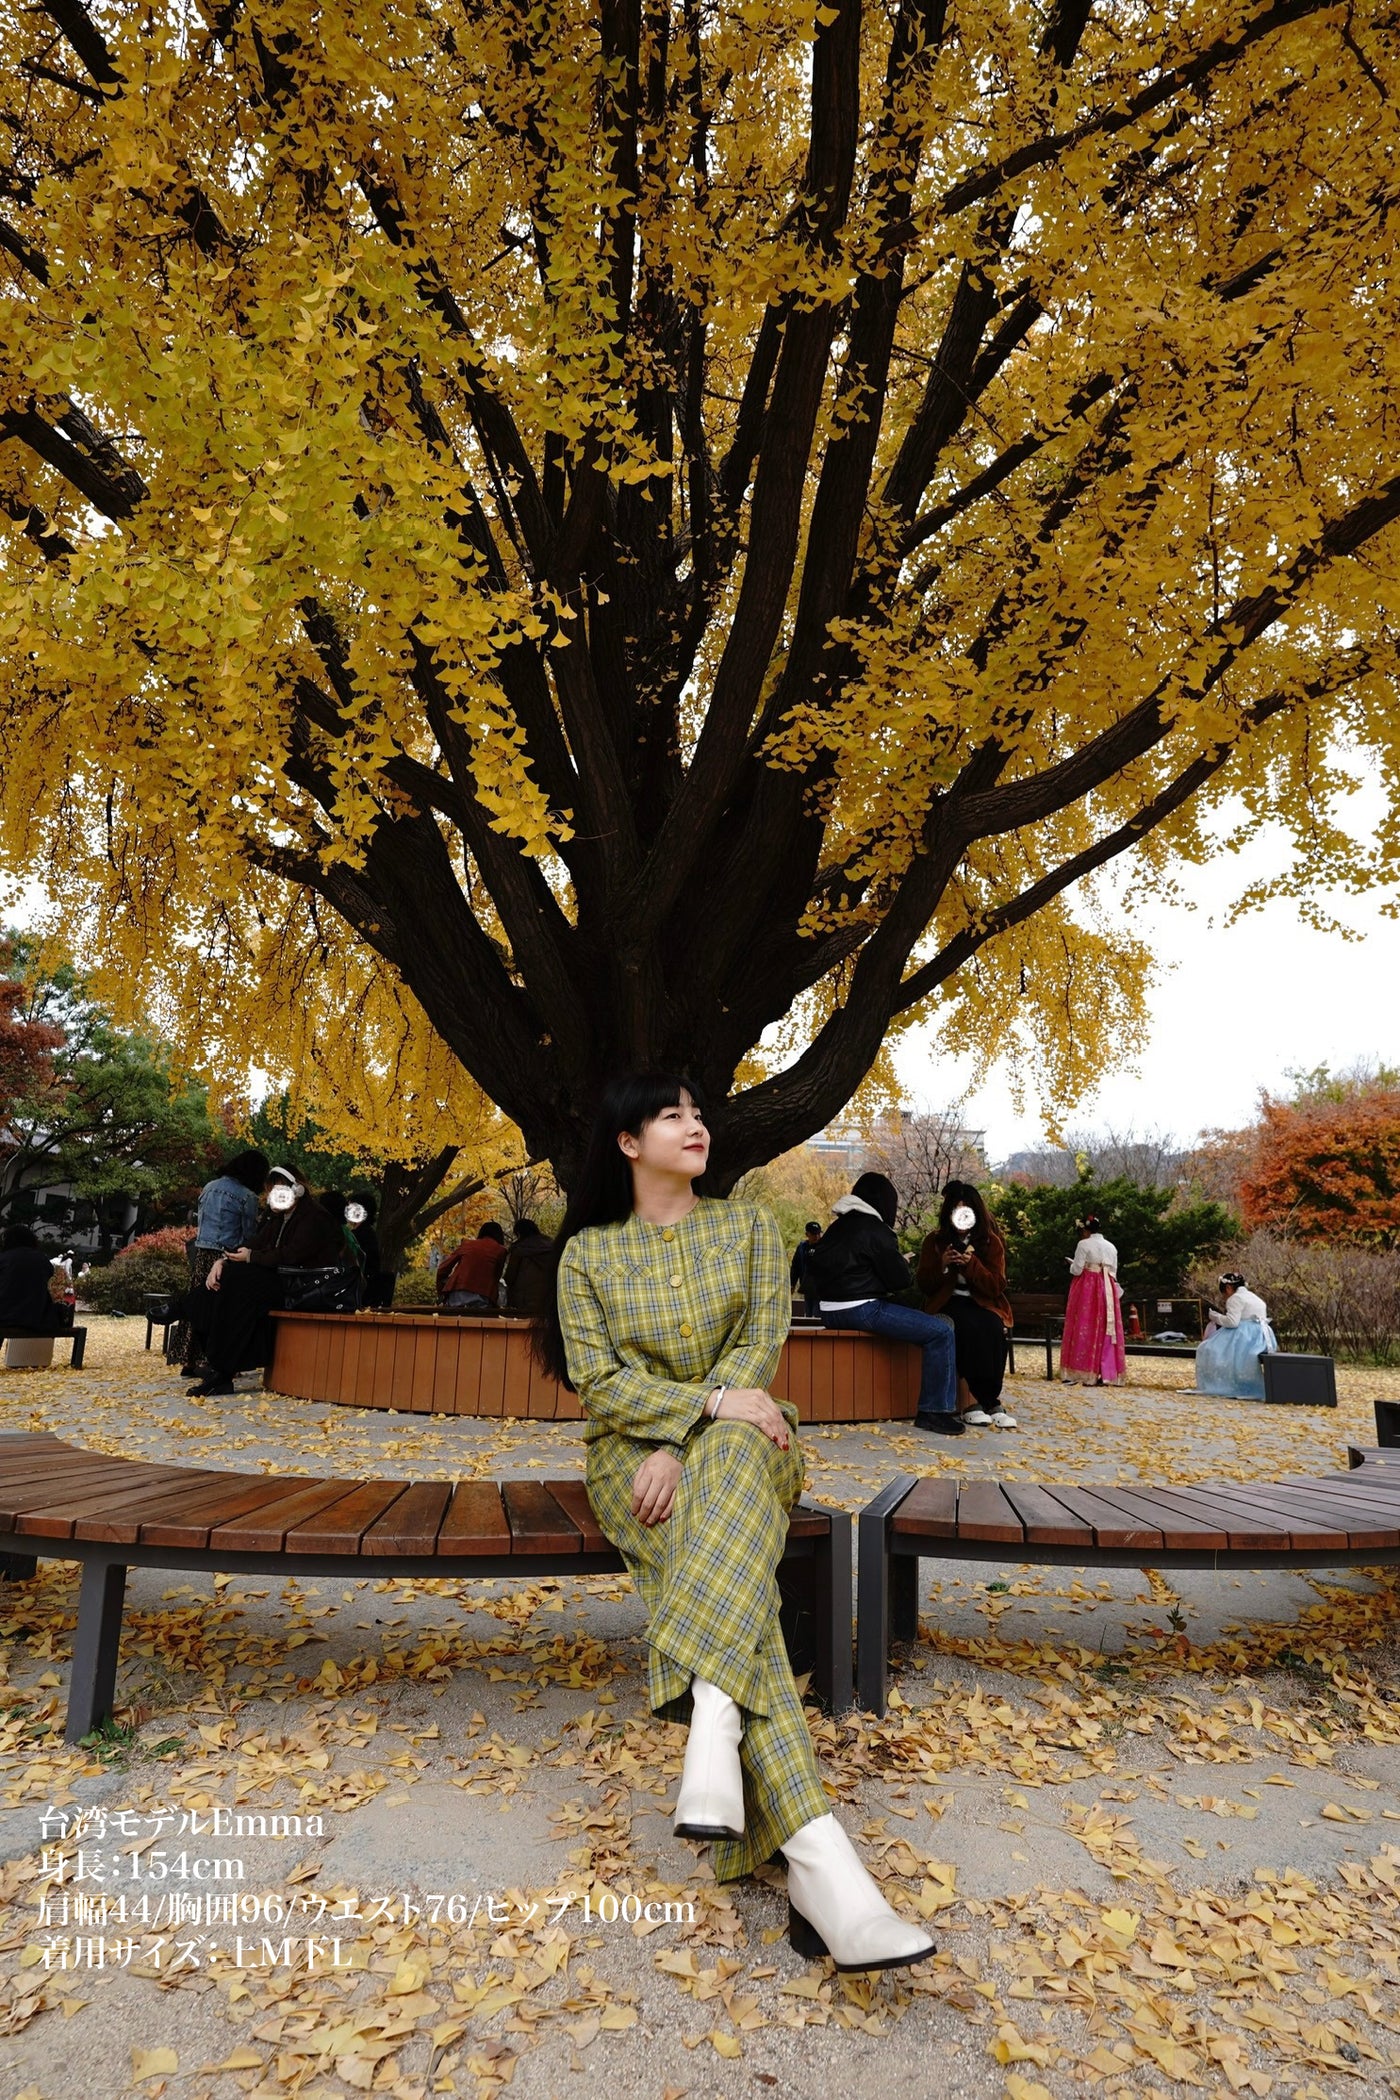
[{"x": 454, "y": 1364}]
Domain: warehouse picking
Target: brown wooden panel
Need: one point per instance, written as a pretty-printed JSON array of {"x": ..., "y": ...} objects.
[
  {"x": 1379, "y": 1486},
  {"x": 422, "y": 1339},
  {"x": 1181, "y": 1531},
  {"x": 863, "y": 1401},
  {"x": 466, "y": 1384},
  {"x": 1111, "y": 1527},
  {"x": 569, "y": 1408},
  {"x": 1245, "y": 1526},
  {"x": 320, "y": 1363},
  {"x": 537, "y": 1523},
  {"x": 541, "y": 1391},
  {"x": 395, "y": 1367},
  {"x": 515, "y": 1397},
  {"x": 985, "y": 1513},
  {"x": 189, "y": 1524},
  {"x": 794, "y": 1378},
  {"x": 411, "y": 1525},
  {"x": 929, "y": 1510},
  {"x": 334, "y": 1374},
  {"x": 808, "y": 1523},
  {"x": 340, "y": 1528},
  {"x": 287, "y": 1373},
  {"x": 495, "y": 1344},
  {"x": 822, "y": 1382},
  {"x": 447, "y": 1362},
  {"x": 572, "y": 1497},
  {"x": 1045, "y": 1521},
  {"x": 262, "y": 1530},
  {"x": 475, "y": 1522},
  {"x": 32, "y": 1437},
  {"x": 362, "y": 1388}
]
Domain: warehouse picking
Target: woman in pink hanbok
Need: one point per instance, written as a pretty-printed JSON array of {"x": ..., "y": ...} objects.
[{"x": 1092, "y": 1352}]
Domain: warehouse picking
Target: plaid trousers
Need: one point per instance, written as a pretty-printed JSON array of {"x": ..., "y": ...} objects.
[{"x": 708, "y": 1577}]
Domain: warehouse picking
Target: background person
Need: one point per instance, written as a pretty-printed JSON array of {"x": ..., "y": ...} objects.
[
  {"x": 1228, "y": 1363},
  {"x": 670, "y": 1317},
  {"x": 527, "y": 1279},
  {"x": 855, "y": 1271},
  {"x": 468, "y": 1280},
  {"x": 231, "y": 1315},
  {"x": 1091, "y": 1349},
  {"x": 962, "y": 1267},
  {"x": 227, "y": 1217},
  {"x": 26, "y": 1274},
  {"x": 801, "y": 1262}
]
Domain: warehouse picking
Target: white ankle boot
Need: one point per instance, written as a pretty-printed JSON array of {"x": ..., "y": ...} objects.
[
  {"x": 711, "y": 1800},
  {"x": 835, "y": 1908}
]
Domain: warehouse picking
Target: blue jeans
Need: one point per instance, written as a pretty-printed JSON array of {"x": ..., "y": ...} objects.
[{"x": 938, "y": 1387}]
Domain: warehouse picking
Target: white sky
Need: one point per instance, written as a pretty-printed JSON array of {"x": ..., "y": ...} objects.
[{"x": 1232, "y": 1011}]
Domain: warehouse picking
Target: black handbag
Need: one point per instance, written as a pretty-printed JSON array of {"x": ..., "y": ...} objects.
[{"x": 337, "y": 1290}]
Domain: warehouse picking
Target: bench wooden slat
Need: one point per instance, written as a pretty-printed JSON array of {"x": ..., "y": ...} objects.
[
  {"x": 56, "y": 1516},
  {"x": 119, "y": 1523},
  {"x": 189, "y": 1524},
  {"x": 1179, "y": 1531},
  {"x": 340, "y": 1527},
  {"x": 1111, "y": 1527},
  {"x": 572, "y": 1497},
  {"x": 263, "y": 1529},
  {"x": 1381, "y": 1487},
  {"x": 537, "y": 1523},
  {"x": 985, "y": 1513},
  {"x": 411, "y": 1525},
  {"x": 1045, "y": 1521},
  {"x": 476, "y": 1522},
  {"x": 38, "y": 1491},
  {"x": 803, "y": 1523},
  {"x": 1355, "y": 1523},
  {"x": 929, "y": 1510},
  {"x": 1244, "y": 1525},
  {"x": 1248, "y": 1500}
]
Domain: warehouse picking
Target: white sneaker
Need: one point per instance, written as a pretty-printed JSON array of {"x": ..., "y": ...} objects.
[
  {"x": 1002, "y": 1420},
  {"x": 977, "y": 1416},
  {"x": 710, "y": 1803},
  {"x": 835, "y": 1908}
]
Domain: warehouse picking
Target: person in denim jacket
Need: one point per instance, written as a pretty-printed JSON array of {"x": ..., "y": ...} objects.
[{"x": 227, "y": 1218}]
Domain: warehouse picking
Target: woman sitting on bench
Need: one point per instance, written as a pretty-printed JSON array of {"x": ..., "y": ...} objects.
[
  {"x": 25, "y": 1275},
  {"x": 669, "y": 1317}
]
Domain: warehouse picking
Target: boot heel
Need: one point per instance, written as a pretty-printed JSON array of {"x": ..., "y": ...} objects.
[{"x": 803, "y": 1937}]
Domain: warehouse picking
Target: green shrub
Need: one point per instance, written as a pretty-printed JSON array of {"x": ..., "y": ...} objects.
[
  {"x": 415, "y": 1287},
  {"x": 124, "y": 1283}
]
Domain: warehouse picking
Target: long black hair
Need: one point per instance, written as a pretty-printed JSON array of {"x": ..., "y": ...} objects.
[
  {"x": 602, "y": 1193},
  {"x": 960, "y": 1192}
]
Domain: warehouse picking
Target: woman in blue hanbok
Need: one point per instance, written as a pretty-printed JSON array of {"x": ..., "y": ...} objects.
[{"x": 1228, "y": 1361}]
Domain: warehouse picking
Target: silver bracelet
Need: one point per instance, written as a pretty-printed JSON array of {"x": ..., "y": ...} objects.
[{"x": 712, "y": 1404}]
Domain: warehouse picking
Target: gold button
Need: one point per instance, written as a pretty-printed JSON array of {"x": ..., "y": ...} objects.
[
  {"x": 685, "y": 1327},
  {"x": 668, "y": 1234},
  {"x": 675, "y": 1283}
]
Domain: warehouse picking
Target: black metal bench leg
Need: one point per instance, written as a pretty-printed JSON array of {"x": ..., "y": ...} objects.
[
  {"x": 1049, "y": 1351},
  {"x": 95, "y": 1647},
  {"x": 831, "y": 1609},
  {"x": 79, "y": 1347},
  {"x": 904, "y": 1597},
  {"x": 18, "y": 1567}
]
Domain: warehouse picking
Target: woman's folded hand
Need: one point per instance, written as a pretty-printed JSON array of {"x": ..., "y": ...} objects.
[{"x": 749, "y": 1404}]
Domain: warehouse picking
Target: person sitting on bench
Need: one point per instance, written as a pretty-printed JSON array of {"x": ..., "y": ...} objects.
[
  {"x": 1228, "y": 1363},
  {"x": 25, "y": 1275}
]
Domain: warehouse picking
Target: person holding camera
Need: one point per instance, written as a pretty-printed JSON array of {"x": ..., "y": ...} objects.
[{"x": 962, "y": 1268}]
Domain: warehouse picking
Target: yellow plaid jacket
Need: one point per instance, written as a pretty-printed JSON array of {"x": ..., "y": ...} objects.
[{"x": 656, "y": 1316}]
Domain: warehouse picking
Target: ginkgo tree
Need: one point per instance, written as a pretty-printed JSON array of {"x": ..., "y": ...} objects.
[{"x": 691, "y": 531}]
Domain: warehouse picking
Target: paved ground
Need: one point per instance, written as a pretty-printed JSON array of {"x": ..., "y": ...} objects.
[{"x": 1156, "y": 1828}]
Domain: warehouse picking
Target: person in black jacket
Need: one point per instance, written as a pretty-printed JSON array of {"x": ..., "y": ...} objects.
[
  {"x": 25, "y": 1274},
  {"x": 856, "y": 1267}
]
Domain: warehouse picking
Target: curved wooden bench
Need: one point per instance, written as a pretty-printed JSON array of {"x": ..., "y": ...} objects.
[
  {"x": 1332, "y": 1520},
  {"x": 118, "y": 1513}
]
